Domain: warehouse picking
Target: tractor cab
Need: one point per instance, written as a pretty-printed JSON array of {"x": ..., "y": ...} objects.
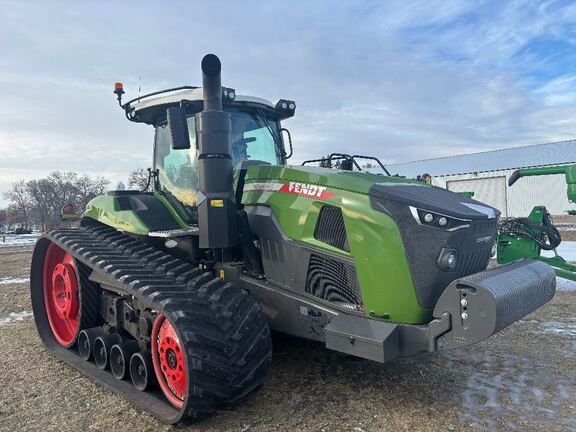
[{"x": 256, "y": 138}]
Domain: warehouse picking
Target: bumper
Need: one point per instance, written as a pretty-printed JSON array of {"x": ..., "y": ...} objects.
[{"x": 469, "y": 310}]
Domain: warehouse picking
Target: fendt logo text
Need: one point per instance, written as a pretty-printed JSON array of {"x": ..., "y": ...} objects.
[
  {"x": 294, "y": 188},
  {"x": 307, "y": 190}
]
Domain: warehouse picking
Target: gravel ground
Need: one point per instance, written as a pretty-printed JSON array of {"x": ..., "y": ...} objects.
[{"x": 520, "y": 380}]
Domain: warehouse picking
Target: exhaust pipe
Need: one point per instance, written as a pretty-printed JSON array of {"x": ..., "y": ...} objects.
[
  {"x": 120, "y": 355},
  {"x": 216, "y": 206},
  {"x": 102, "y": 346},
  {"x": 86, "y": 340},
  {"x": 142, "y": 371}
]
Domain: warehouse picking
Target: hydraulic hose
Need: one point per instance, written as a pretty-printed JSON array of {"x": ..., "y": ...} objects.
[{"x": 544, "y": 234}]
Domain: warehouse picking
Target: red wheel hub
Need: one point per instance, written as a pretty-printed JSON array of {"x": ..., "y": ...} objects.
[
  {"x": 61, "y": 294},
  {"x": 168, "y": 359}
]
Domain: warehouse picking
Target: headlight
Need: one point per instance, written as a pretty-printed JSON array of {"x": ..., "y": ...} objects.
[
  {"x": 438, "y": 221},
  {"x": 448, "y": 259}
]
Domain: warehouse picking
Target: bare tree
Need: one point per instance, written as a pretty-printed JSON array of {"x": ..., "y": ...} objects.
[
  {"x": 89, "y": 188},
  {"x": 41, "y": 201},
  {"x": 138, "y": 179},
  {"x": 20, "y": 202},
  {"x": 3, "y": 216},
  {"x": 42, "y": 197}
]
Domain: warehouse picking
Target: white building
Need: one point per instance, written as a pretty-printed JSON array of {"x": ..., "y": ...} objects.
[{"x": 486, "y": 174}]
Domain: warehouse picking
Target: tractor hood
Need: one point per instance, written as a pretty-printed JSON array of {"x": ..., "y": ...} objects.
[
  {"x": 332, "y": 179},
  {"x": 324, "y": 183},
  {"x": 444, "y": 235}
]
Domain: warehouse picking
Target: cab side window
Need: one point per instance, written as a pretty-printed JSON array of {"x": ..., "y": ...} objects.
[{"x": 177, "y": 169}]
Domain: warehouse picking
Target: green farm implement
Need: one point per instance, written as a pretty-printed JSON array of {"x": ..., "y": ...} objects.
[{"x": 527, "y": 237}]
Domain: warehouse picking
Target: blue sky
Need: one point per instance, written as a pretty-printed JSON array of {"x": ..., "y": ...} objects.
[{"x": 402, "y": 80}]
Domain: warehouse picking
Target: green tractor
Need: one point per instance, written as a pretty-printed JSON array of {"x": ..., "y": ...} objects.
[{"x": 168, "y": 297}]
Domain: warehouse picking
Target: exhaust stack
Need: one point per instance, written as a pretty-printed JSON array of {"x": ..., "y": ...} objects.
[{"x": 216, "y": 206}]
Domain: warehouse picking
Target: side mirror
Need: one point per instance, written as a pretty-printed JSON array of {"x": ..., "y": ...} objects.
[
  {"x": 178, "y": 127},
  {"x": 289, "y": 142}
]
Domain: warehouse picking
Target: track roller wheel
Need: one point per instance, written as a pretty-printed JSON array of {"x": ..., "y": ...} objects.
[
  {"x": 102, "y": 346},
  {"x": 86, "y": 340},
  {"x": 120, "y": 355},
  {"x": 141, "y": 371},
  {"x": 168, "y": 359}
]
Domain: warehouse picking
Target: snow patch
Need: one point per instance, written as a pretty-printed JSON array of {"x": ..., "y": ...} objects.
[
  {"x": 8, "y": 280},
  {"x": 559, "y": 328},
  {"x": 502, "y": 391},
  {"x": 566, "y": 250},
  {"x": 16, "y": 240},
  {"x": 14, "y": 317},
  {"x": 565, "y": 285}
]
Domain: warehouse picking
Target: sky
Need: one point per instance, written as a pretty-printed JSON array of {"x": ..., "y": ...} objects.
[{"x": 401, "y": 80}]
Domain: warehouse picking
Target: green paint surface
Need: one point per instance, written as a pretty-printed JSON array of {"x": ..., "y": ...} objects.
[
  {"x": 105, "y": 209},
  {"x": 375, "y": 242}
]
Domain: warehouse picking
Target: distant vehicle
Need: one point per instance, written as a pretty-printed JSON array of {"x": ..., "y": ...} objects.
[{"x": 22, "y": 231}]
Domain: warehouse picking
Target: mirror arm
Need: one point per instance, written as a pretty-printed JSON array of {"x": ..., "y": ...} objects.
[{"x": 289, "y": 142}]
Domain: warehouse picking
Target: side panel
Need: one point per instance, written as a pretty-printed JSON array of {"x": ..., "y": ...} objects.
[
  {"x": 374, "y": 241},
  {"x": 136, "y": 213}
]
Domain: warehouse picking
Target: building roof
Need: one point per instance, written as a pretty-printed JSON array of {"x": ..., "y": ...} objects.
[{"x": 563, "y": 152}]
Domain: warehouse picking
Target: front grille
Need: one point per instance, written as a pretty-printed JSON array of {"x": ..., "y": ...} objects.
[
  {"x": 334, "y": 281},
  {"x": 473, "y": 262},
  {"x": 330, "y": 228}
]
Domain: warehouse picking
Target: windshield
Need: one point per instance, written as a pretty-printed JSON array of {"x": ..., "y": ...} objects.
[
  {"x": 255, "y": 137},
  {"x": 252, "y": 138}
]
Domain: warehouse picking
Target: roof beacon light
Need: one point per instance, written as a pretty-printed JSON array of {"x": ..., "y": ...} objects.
[{"x": 119, "y": 91}]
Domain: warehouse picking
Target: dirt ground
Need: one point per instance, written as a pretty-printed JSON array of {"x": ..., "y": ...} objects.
[{"x": 520, "y": 380}]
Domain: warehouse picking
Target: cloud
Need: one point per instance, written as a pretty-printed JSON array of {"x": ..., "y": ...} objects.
[{"x": 402, "y": 80}]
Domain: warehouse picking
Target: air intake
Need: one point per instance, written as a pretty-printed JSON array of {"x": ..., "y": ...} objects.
[
  {"x": 334, "y": 281},
  {"x": 330, "y": 228}
]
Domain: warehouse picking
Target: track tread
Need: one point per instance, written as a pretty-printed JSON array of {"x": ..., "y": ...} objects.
[{"x": 220, "y": 326}]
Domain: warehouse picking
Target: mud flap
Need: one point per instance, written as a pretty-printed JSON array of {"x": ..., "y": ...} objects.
[{"x": 484, "y": 303}]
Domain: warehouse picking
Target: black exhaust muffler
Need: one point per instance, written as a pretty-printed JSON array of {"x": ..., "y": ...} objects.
[{"x": 216, "y": 207}]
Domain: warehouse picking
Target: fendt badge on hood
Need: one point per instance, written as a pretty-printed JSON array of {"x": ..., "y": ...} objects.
[
  {"x": 308, "y": 190},
  {"x": 294, "y": 188}
]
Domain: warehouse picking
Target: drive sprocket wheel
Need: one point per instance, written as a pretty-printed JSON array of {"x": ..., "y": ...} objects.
[{"x": 168, "y": 359}]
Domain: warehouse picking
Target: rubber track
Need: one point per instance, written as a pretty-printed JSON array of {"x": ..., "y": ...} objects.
[{"x": 222, "y": 329}]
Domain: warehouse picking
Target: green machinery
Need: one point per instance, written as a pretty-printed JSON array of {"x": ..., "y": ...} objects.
[
  {"x": 168, "y": 297},
  {"x": 527, "y": 237}
]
